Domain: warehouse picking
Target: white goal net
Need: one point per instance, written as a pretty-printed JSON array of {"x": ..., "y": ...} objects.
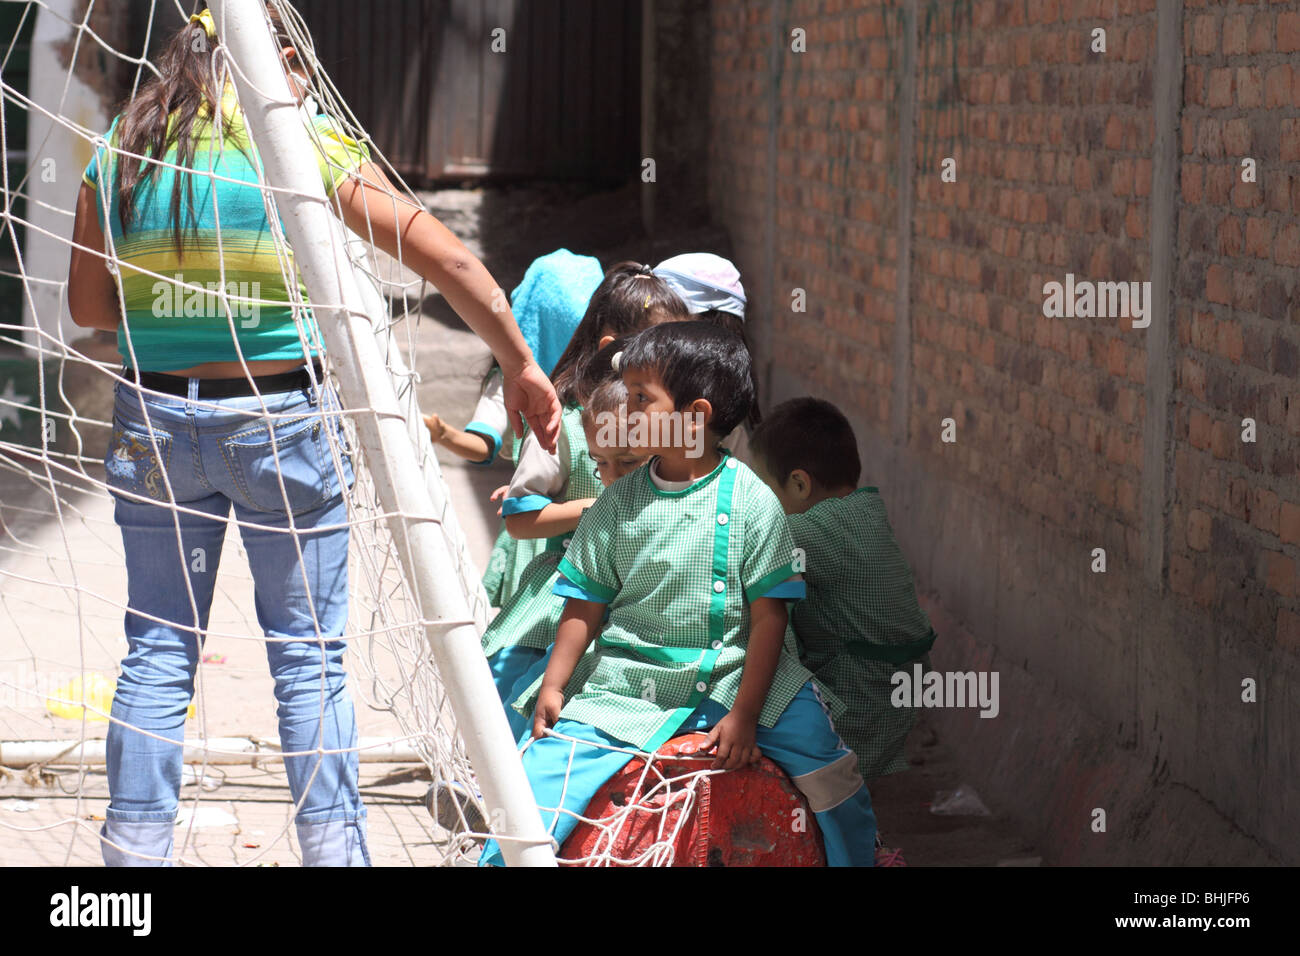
[{"x": 62, "y": 580}]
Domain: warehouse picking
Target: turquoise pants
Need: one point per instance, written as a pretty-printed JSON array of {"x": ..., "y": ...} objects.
[
  {"x": 513, "y": 669},
  {"x": 803, "y": 743}
]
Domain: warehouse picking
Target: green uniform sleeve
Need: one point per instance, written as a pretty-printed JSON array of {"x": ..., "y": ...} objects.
[
  {"x": 768, "y": 549},
  {"x": 589, "y": 562}
]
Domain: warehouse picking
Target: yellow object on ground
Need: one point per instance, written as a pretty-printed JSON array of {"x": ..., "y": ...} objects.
[{"x": 91, "y": 693}]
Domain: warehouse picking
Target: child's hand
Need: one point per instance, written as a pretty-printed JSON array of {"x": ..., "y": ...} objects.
[
  {"x": 499, "y": 495},
  {"x": 736, "y": 738},
  {"x": 547, "y": 712},
  {"x": 437, "y": 428}
]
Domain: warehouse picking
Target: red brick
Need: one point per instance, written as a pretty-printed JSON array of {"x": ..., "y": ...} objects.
[
  {"x": 1290, "y": 140},
  {"x": 1277, "y": 87},
  {"x": 1229, "y": 238},
  {"x": 1261, "y": 33},
  {"x": 1288, "y": 630},
  {"x": 1228, "y": 341},
  {"x": 1219, "y": 92},
  {"x": 1267, "y": 511},
  {"x": 1279, "y": 573},
  {"x": 1236, "y": 136},
  {"x": 1250, "y": 86},
  {"x": 1290, "y": 523},
  {"x": 1286, "y": 250},
  {"x": 1259, "y": 237},
  {"x": 1218, "y": 284},
  {"x": 1234, "y": 34},
  {"x": 1205, "y": 34},
  {"x": 1199, "y": 427},
  {"x": 1288, "y": 32},
  {"x": 1192, "y": 175},
  {"x": 1198, "y": 530}
]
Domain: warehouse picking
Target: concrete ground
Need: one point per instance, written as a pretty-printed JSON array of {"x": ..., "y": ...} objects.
[{"x": 60, "y": 618}]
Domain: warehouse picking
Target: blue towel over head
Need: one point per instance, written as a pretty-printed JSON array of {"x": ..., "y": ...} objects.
[{"x": 550, "y": 302}]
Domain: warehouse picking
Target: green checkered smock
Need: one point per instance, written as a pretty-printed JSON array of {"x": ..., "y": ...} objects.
[
  {"x": 532, "y": 614},
  {"x": 569, "y": 474},
  {"x": 860, "y": 622},
  {"x": 679, "y": 570}
]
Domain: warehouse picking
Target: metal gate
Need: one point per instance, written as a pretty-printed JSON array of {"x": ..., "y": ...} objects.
[{"x": 562, "y": 101}]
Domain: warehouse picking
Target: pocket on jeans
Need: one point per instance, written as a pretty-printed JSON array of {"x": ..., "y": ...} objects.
[
  {"x": 131, "y": 464},
  {"x": 297, "y": 454}
]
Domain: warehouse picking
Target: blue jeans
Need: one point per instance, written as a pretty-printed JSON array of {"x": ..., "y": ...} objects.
[{"x": 208, "y": 459}]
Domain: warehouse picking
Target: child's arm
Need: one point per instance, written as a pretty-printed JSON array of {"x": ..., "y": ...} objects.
[
  {"x": 531, "y": 509},
  {"x": 577, "y": 627},
  {"x": 559, "y": 518},
  {"x": 468, "y": 445},
  {"x": 736, "y": 734}
]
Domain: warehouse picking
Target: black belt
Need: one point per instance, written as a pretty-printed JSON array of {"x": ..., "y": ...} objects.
[{"x": 229, "y": 387}]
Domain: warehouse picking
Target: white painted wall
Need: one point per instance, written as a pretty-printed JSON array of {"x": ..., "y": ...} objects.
[{"x": 58, "y": 92}]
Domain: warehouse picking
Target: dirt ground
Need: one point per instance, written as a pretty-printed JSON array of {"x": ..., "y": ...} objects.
[{"x": 246, "y": 809}]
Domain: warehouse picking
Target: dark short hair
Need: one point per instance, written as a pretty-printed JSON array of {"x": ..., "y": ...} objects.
[
  {"x": 697, "y": 360},
  {"x": 734, "y": 323},
  {"x": 810, "y": 434}
]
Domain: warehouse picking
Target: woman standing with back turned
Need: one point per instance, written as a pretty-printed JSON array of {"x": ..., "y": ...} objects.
[{"x": 215, "y": 446}]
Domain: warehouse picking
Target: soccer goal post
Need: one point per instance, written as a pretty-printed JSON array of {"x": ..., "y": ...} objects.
[{"x": 316, "y": 239}]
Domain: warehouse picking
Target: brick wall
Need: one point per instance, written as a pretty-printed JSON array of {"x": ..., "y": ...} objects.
[{"x": 1057, "y": 171}]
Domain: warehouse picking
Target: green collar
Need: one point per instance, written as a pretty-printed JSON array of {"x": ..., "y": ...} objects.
[{"x": 693, "y": 486}]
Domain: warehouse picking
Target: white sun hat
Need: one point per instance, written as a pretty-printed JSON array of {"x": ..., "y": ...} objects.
[{"x": 704, "y": 281}]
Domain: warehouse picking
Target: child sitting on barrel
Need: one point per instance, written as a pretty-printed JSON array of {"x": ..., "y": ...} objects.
[{"x": 690, "y": 556}]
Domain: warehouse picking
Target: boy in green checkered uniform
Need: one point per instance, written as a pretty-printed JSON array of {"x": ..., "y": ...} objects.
[
  {"x": 691, "y": 558},
  {"x": 860, "y": 621}
]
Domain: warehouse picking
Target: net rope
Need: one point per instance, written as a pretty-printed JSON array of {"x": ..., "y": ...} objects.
[{"x": 62, "y": 583}]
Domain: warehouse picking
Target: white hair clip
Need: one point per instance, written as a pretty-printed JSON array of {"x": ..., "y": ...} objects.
[{"x": 615, "y": 360}]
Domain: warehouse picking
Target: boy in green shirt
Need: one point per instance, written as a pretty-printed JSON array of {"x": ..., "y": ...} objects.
[
  {"x": 690, "y": 556},
  {"x": 860, "y": 621}
]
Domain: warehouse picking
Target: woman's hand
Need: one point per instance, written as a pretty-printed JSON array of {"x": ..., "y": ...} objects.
[
  {"x": 530, "y": 397},
  {"x": 549, "y": 704}
]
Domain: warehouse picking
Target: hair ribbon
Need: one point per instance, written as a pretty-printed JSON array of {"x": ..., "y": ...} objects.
[{"x": 205, "y": 18}]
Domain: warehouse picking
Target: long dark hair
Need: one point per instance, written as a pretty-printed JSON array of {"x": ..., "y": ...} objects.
[
  {"x": 630, "y": 298},
  {"x": 189, "y": 66}
]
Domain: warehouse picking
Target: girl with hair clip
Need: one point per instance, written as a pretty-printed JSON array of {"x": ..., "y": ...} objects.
[{"x": 212, "y": 414}]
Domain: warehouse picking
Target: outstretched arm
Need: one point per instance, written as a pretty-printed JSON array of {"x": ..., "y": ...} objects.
[{"x": 374, "y": 209}]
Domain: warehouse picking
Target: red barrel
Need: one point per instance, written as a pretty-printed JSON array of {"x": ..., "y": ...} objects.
[{"x": 749, "y": 817}]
